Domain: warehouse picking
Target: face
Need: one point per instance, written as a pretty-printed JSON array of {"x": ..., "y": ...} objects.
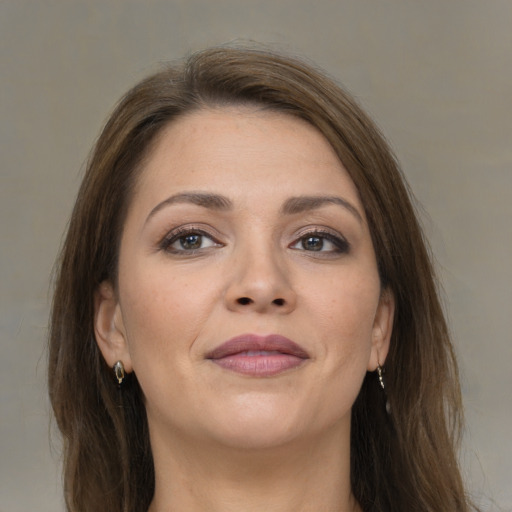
[{"x": 248, "y": 302}]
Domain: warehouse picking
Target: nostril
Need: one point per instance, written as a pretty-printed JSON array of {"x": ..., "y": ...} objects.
[
  {"x": 244, "y": 301},
  {"x": 278, "y": 302}
]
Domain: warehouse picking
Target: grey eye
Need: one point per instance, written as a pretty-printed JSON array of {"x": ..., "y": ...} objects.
[
  {"x": 192, "y": 241},
  {"x": 312, "y": 243},
  {"x": 320, "y": 242}
]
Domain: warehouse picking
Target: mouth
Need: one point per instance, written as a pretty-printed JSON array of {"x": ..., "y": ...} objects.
[{"x": 258, "y": 356}]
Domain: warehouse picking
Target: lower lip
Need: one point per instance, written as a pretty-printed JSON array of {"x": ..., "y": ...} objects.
[{"x": 259, "y": 365}]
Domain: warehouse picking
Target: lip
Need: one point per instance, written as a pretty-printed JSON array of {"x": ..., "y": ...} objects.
[{"x": 258, "y": 356}]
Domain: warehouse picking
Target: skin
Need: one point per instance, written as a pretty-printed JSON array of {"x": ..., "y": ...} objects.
[{"x": 223, "y": 441}]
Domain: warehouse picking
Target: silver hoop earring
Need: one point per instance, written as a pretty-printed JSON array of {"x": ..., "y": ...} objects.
[{"x": 119, "y": 372}]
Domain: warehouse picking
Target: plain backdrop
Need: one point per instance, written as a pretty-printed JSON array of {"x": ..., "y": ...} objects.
[{"x": 436, "y": 76}]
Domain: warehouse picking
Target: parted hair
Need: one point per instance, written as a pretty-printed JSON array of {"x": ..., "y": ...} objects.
[{"x": 403, "y": 458}]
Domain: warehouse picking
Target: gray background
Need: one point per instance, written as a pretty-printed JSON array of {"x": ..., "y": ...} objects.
[{"x": 437, "y": 77}]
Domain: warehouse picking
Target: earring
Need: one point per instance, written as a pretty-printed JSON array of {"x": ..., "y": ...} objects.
[
  {"x": 380, "y": 373},
  {"x": 119, "y": 372}
]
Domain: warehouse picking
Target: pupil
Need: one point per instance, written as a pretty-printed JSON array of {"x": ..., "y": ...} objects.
[
  {"x": 312, "y": 243},
  {"x": 191, "y": 242}
]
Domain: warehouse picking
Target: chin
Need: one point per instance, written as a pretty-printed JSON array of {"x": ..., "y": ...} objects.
[
  {"x": 271, "y": 424},
  {"x": 258, "y": 436},
  {"x": 252, "y": 421}
]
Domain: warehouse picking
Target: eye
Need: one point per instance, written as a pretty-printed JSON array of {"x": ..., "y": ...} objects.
[
  {"x": 319, "y": 241},
  {"x": 187, "y": 240}
]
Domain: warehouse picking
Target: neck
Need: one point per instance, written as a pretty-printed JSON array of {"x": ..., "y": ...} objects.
[{"x": 305, "y": 476}]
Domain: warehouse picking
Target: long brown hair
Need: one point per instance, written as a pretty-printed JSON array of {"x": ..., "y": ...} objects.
[{"x": 404, "y": 459}]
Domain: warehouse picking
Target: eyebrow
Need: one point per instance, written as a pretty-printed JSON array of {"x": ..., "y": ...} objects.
[
  {"x": 210, "y": 201},
  {"x": 291, "y": 206},
  {"x": 301, "y": 204}
]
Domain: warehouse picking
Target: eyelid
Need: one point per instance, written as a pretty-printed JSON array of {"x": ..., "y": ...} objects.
[
  {"x": 188, "y": 229},
  {"x": 336, "y": 238}
]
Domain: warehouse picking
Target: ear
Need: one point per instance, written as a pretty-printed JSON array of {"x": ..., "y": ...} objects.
[
  {"x": 109, "y": 327},
  {"x": 382, "y": 329}
]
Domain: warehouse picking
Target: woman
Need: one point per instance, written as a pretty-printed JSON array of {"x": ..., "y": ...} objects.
[{"x": 245, "y": 314}]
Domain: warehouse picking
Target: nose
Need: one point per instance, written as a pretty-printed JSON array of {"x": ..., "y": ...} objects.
[{"x": 260, "y": 282}]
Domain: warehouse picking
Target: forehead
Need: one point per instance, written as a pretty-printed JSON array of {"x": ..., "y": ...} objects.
[{"x": 242, "y": 151}]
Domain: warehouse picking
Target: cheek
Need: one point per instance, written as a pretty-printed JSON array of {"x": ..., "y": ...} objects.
[
  {"x": 162, "y": 317},
  {"x": 348, "y": 310},
  {"x": 345, "y": 322},
  {"x": 163, "y": 311},
  {"x": 346, "y": 315}
]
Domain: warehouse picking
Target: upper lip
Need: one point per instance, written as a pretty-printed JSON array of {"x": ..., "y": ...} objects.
[{"x": 246, "y": 342}]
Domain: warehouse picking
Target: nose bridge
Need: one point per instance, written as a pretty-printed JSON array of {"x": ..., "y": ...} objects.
[{"x": 261, "y": 278}]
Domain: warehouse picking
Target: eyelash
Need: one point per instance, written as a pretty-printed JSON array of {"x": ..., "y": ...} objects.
[
  {"x": 180, "y": 234},
  {"x": 340, "y": 243}
]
